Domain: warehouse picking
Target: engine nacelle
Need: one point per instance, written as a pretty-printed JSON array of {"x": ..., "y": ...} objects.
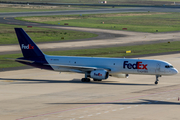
[
  {"x": 120, "y": 75},
  {"x": 99, "y": 74}
]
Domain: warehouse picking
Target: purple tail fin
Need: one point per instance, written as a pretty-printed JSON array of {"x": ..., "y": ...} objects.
[{"x": 28, "y": 47}]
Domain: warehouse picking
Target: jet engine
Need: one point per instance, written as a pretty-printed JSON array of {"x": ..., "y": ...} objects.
[{"x": 99, "y": 74}]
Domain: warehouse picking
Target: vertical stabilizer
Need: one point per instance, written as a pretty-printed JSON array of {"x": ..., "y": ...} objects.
[{"x": 28, "y": 47}]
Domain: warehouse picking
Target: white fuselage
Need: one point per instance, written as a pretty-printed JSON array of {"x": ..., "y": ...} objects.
[{"x": 116, "y": 65}]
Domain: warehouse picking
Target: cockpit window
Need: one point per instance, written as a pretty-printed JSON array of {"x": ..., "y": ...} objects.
[{"x": 168, "y": 66}]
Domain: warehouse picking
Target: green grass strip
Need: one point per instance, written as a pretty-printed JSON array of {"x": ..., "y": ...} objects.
[
  {"x": 140, "y": 22},
  {"x": 8, "y": 35}
]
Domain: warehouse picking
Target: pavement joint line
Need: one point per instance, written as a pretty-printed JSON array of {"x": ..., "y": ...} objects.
[{"x": 97, "y": 104}]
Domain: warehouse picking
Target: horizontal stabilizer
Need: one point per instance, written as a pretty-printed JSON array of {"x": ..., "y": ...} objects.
[{"x": 21, "y": 60}]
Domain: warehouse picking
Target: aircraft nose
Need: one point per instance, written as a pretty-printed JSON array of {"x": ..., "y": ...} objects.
[{"x": 174, "y": 71}]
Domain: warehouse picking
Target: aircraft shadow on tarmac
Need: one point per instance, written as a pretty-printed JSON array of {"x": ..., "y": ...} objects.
[
  {"x": 144, "y": 102},
  {"x": 78, "y": 81}
]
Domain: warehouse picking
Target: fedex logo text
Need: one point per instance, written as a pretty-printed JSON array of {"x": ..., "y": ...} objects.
[
  {"x": 137, "y": 65},
  {"x": 97, "y": 74},
  {"x": 27, "y": 46}
]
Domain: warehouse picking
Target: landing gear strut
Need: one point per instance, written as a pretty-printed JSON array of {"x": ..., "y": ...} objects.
[
  {"x": 157, "y": 76},
  {"x": 86, "y": 79}
]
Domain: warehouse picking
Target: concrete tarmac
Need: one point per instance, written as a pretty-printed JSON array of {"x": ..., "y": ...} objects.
[{"x": 35, "y": 94}]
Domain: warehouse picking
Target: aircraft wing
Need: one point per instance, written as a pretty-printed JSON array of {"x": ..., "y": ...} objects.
[{"x": 81, "y": 68}]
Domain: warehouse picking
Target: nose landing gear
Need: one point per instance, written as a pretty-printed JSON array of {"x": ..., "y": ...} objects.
[{"x": 157, "y": 76}]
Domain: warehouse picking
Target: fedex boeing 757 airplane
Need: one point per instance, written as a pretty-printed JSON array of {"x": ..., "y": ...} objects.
[{"x": 93, "y": 67}]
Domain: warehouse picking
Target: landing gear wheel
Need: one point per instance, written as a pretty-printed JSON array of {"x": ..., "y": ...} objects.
[
  {"x": 85, "y": 80},
  {"x": 156, "y": 82},
  {"x": 88, "y": 80}
]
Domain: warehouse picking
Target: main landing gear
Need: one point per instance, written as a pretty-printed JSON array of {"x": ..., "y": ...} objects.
[
  {"x": 85, "y": 80},
  {"x": 157, "y": 76}
]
